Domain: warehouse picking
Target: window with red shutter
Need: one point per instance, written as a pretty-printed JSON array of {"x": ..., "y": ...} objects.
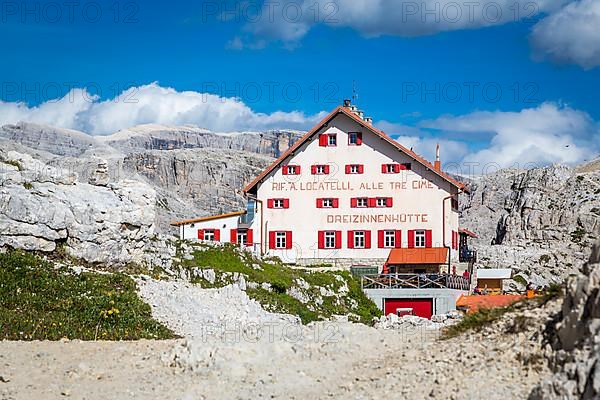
[
  {"x": 354, "y": 138},
  {"x": 272, "y": 240},
  {"x": 321, "y": 239},
  {"x": 381, "y": 239},
  {"x": 200, "y": 234},
  {"x": 411, "y": 239},
  {"x": 428, "y": 238},
  {"x": 323, "y": 140}
]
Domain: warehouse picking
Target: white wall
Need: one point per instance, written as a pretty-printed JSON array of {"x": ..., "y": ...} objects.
[
  {"x": 304, "y": 219},
  {"x": 190, "y": 231}
]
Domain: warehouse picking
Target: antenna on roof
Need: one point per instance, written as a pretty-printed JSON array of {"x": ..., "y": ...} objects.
[{"x": 354, "y": 92}]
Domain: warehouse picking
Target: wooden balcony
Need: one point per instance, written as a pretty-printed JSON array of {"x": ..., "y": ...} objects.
[{"x": 414, "y": 281}]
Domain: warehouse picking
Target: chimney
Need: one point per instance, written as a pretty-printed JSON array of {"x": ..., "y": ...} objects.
[
  {"x": 347, "y": 103},
  {"x": 437, "y": 165},
  {"x": 360, "y": 114},
  {"x": 369, "y": 120}
]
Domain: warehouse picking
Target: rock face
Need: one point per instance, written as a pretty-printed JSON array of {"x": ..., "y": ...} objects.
[
  {"x": 42, "y": 207},
  {"x": 540, "y": 222},
  {"x": 575, "y": 359}
]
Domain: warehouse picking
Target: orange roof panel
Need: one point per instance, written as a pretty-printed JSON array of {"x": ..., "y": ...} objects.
[
  {"x": 474, "y": 303},
  {"x": 433, "y": 255},
  {"x": 209, "y": 218}
]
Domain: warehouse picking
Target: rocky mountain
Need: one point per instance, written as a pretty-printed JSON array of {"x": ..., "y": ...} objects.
[
  {"x": 541, "y": 222},
  {"x": 193, "y": 171}
]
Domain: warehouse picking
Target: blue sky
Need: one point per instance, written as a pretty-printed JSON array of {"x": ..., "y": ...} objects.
[{"x": 409, "y": 74}]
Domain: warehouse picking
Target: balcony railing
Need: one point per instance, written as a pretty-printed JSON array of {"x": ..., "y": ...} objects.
[{"x": 414, "y": 281}]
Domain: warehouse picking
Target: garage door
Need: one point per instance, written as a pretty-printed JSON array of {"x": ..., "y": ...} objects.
[{"x": 421, "y": 307}]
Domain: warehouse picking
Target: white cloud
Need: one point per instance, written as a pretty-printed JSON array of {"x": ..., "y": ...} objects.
[
  {"x": 152, "y": 104},
  {"x": 290, "y": 20},
  {"x": 535, "y": 136},
  {"x": 571, "y": 35}
]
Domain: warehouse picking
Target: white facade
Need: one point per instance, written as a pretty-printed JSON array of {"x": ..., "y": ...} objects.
[{"x": 420, "y": 199}]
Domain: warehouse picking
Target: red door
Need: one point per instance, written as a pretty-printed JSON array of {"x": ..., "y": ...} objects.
[{"x": 420, "y": 307}]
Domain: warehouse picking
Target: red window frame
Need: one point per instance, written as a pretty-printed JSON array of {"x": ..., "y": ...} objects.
[
  {"x": 324, "y": 139},
  {"x": 285, "y": 170},
  {"x": 272, "y": 240},
  {"x": 326, "y": 169},
  {"x": 367, "y": 239},
  {"x": 271, "y": 203},
  {"x": 335, "y": 202},
  {"x": 397, "y": 238},
  {"x": 361, "y": 169}
]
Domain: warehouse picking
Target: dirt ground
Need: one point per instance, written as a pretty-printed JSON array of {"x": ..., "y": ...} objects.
[{"x": 325, "y": 360}]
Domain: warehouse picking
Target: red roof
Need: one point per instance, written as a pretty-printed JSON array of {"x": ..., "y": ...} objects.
[
  {"x": 209, "y": 218},
  {"x": 364, "y": 124},
  {"x": 435, "y": 255},
  {"x": 474, "y": 303}
]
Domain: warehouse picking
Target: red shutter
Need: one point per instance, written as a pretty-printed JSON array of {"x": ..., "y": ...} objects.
[
  {"x": 319, "y": 203},
  {"x": 380, "y": 239},
  {"x": 327, "y": 169},
  {"x": 367, "y": 239},
  {"x": 453, "y": 240},
  {"x": 354, "y": 202},
  {"x": 286, "y": 203},
  {"x": 323, "y": 140},
  {"x": 428, "y": 241},
  {"x": 313, "y": 169},
  {"x": 402, "y": 166},
  {"x": 217, "y": 235},
  {"x": 350, "y": 239},
  {"x": 336, "y": 203},
  {"x": 249, "y": 238},
  {"x": 361, "y": 169},
  {"x": 372, "y": 202},
  {"x": 233, "y": 236},
  {"x": 348, "y": 168},
  {"x": 338, "y": 239},
  {"x": 384, "y": 168},
  {"x": 398, "y": 239},
  {"x": 200, "y": 234},
  {"x": 288, "y": 240},
  {"x": 411, "y": 239},
  {"x": 396, "y": 168},
  {"x": 284, "y": 170},
  {"x": 272, "y": 240},
  {"x": 298, "y": 170},
  {"x": 359, "y": 138},
  {"x": 321, "y": 239},
  {"x": 270, "y": 203},
  {"x": 389, "y": 202}
]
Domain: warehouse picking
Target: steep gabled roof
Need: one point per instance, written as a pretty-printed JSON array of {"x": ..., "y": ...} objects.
[{"x": 364, "y": 124}]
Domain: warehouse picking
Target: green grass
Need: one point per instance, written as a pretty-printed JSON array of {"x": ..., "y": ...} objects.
[
  {"x": 39, "y": 301},
  {"x": 228, "y": 259}
]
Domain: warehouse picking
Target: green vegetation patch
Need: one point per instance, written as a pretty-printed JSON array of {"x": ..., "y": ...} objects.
[
  {"x": 228, "y": 259},
  {"x": 39, "y": 301}
]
